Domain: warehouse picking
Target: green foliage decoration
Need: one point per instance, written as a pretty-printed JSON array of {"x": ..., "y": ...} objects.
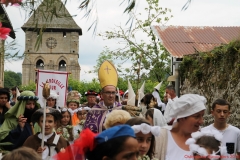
[{"x": 217, "y": 66}]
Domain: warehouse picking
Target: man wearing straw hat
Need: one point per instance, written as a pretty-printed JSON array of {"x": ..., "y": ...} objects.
[{"x": 108, "y": 80}]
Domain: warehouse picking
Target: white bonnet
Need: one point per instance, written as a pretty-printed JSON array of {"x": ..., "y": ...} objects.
[
  {"x": 53, "y": 95},
  {"x": 187, "y": 105}
]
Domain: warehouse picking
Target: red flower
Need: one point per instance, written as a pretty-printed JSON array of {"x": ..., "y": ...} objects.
[{"x": 4, "y": 32}]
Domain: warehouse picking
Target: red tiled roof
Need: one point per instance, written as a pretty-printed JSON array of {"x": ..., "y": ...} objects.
[{"x": 182, "y": 40}]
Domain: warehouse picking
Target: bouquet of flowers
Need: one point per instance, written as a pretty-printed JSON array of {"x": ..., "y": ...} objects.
[
  {"x": 146, "y": 157},
  {"x": 63, "y": 131}
]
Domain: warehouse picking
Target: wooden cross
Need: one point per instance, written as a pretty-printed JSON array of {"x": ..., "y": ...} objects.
[{"x": 107, "y": 69}]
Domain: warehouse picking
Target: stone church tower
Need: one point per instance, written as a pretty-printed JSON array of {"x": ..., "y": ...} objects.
[{"x": 60, "y": 42}]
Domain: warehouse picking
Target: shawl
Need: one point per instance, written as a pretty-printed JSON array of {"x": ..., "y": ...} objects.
[{"x": 13, "y": 113}]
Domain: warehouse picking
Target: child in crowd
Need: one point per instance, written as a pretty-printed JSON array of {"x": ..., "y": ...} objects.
[
  {"x": 145, "y": 135},
  {"x": 65, "y": 127},
  {"x": 206, "y": 145},
  {"x": 22, "y": 153},
  {"x": 52, "y": 100},
  {"x": 53, "y": 143},
  {"x": 116, "y": 117},
  {"x": 81, "y": 114},
  {"x": 73, "y": 101}
]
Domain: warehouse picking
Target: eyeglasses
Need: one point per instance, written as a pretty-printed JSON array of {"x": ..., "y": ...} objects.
[{"x": 110, "y": 93}]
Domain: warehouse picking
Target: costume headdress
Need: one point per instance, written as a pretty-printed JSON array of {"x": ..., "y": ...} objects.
[
  {"x": 195, "y": 148},
  {"x": 73, "y": 96},
  {"x": 107, "y": 74},
  {"x": 130, "y": 107},
  {"x": 145, "y": 129},
  {"x": 49, "y": 110},
  {"x": 158, "y": 86},
  {"x": 91, "y": 92}
]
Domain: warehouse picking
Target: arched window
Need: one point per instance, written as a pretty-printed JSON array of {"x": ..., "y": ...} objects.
[
  {"x": 62, "y": 65},
  {"x": 40, "y": 64}
]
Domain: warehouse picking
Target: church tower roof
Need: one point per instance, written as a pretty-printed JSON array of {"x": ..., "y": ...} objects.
[{"x": 60, "y": 21}]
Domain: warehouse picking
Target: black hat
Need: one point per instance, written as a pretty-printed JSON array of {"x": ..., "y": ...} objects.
[
  {"x": 91, "y": 92},
  {"x": 5, "y": 91},
  {"x": 49, "y": 110}
]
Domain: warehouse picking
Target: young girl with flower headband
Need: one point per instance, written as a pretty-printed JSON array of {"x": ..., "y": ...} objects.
[
  {"x": 81, "y": 114},
  {"x": 65, "y": 128},
  {"x": 145, "y": 134},
  {"x": 206, "y": 145}
]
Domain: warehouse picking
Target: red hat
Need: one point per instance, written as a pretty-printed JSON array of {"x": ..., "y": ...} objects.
[{"x": 91, "y": 92}]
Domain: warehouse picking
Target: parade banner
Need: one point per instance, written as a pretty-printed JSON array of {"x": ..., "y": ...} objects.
[{"x": 58, "y": 81}]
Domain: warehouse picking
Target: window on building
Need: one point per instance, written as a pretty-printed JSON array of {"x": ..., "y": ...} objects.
[{"x": 62, "y": 65}]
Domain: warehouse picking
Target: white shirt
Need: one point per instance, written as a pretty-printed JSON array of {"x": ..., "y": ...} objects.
[
  {"x": 174, "y": 152},
  {"x": 45, "y": 153},
  {"x": 231, "y": 139}
]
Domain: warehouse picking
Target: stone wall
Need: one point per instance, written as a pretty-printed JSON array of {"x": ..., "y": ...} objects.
[{"x": 214, "y": 74}]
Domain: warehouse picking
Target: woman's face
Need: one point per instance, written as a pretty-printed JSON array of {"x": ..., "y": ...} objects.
[
  {"x": 192, "y": 123},
  {"x": 130, "y": 150},
  {"x": 65, "y": 118},
  {"x": 144, "y": 142}
]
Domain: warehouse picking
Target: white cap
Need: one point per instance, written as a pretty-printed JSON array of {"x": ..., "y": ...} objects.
[{"x": 187, "y": 105}]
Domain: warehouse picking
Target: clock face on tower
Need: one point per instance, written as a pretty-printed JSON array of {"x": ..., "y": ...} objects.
[{"x": 51, "y": 42}]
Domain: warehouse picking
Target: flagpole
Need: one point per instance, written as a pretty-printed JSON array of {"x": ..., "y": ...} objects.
[{"x": 45, "y": 94}]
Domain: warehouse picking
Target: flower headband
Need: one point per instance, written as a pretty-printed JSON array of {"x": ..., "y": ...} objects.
[
  {"x": 69, "y": 110},
  {"x": 83, "y": 108},
  {"x": 195, "y": 148},
  {"x": 145, "y": 129}
]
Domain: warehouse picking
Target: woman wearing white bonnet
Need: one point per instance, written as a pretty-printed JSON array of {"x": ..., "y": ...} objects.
[
  {"x": 52, "y": 100},
  {"x": 188, "y": 111}
]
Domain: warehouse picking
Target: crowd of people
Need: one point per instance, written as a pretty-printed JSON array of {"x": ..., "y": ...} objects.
[{"x": 168, "y": 128}]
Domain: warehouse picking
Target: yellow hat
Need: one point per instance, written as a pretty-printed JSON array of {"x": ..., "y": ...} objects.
[{"x": 107, "y": 74}]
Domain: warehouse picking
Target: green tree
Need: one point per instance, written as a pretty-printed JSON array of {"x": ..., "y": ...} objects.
[
  {"x": 149, "y": 58},
  {"x": 12, "y": 79},
  {"x": 30, "y": 87}
]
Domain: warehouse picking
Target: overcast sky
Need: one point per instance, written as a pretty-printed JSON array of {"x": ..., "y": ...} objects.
[{"x": 110, "y": 13}]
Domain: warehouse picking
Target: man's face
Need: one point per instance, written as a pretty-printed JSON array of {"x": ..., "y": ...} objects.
[
  {"x": 91, "y": 99},
  {"x": 49, "y": 124},
  {"x": 221, "y": 113},
  {"x": 108, "y": 94},
  {"x": 3, "y": 99},
  {"x": 170, "y": 92},
  {"x": 30, "y": 105}
]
